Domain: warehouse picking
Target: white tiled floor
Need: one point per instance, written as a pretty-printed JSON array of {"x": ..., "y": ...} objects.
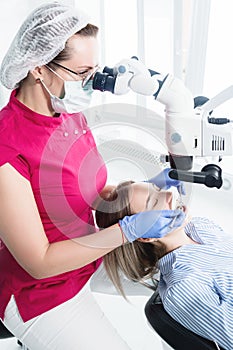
[{"x": 133, "y": 327}]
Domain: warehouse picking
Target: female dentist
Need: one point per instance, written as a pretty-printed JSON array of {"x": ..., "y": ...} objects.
[{"x": 50, "y": 175}]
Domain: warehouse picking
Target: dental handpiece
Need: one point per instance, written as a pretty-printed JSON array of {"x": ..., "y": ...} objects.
[{"x": 179, "y": 207}]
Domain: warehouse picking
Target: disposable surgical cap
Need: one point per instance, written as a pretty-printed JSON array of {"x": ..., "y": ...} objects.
[{"x": 39, "y": 40}]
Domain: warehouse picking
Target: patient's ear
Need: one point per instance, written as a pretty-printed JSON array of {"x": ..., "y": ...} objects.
[
  {"x": 104, "y": 195},
  {"x": 147, "y": 240},
  {"x": 107, "y": 190}
]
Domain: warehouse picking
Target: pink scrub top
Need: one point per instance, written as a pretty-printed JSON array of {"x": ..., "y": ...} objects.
[{"x": 58, "y": 156}]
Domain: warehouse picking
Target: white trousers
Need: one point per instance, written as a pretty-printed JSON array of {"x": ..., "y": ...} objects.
[{"x": 78, "y": 324}]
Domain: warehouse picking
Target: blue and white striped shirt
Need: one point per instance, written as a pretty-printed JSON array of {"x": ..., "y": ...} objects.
[{"x": 196, "y": 284}]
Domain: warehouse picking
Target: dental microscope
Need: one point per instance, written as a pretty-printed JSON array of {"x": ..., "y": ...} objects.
[{"x": 190, "y": 131}]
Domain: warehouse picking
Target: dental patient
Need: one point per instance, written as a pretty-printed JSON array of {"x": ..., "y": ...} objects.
[{"x": 195, "y": 261}]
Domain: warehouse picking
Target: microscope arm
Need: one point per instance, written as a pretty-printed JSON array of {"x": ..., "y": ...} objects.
[
  {"x": 210, "y": 175},
  {"x": 189, "y": 131}
]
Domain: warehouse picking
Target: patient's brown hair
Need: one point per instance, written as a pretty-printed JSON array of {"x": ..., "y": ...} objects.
[{"x": 136, "y": 260}]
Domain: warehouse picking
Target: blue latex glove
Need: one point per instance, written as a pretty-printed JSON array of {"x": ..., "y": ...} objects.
[
  {"x": 163, "y": 181},
  {"x": 151, "y": 224}
]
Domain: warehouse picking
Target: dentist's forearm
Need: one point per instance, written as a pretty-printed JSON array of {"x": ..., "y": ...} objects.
[{"x": 82, "y": 251}]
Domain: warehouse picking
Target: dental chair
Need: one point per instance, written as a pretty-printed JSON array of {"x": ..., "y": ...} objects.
[
  {"x": 5, "y": 333},
  {"x": 176, "y": 335}
]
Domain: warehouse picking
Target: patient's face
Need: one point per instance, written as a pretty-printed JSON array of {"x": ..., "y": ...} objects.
[{"x": 146, "y": 196}]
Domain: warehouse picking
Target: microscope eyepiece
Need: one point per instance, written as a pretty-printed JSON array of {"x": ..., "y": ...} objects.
[{"x": 105, "y": 81}]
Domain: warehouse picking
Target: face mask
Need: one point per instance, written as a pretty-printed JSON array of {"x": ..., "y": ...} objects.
[{"x": 76, "y": 98}]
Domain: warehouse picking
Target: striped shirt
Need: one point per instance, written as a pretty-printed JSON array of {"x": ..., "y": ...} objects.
[{"x": 196, "y": 285}]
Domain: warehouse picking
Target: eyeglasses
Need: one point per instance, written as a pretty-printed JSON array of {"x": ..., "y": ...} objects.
[{"x": 84, "y": 76}]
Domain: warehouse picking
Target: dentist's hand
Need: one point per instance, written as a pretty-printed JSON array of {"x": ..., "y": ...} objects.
[
  {"x": 151, "y": 224},
  {"x": 163, "y": 181}
]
